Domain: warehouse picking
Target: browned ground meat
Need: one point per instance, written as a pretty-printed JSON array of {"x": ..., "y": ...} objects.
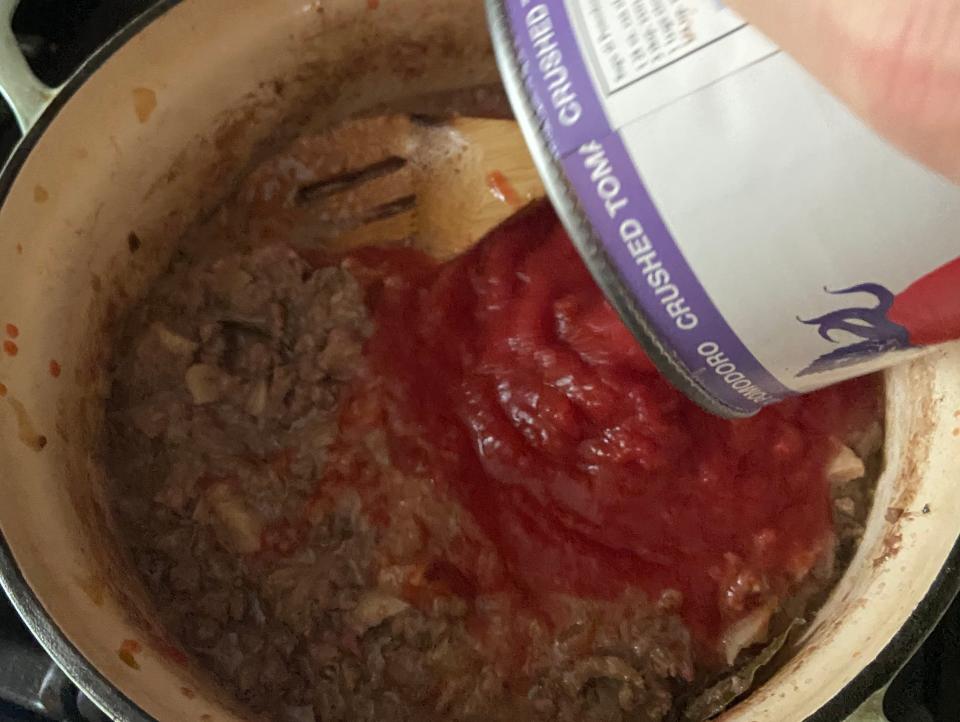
[{"x": 224, "y": 405}]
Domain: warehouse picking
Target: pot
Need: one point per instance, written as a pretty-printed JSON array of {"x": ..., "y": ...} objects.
[{"x": 152, "y": 134}]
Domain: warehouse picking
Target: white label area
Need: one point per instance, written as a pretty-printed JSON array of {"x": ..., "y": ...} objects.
[
  {"x": 786, "y": 197},
  {"x": 632, "y": 38},
  {"x": 727, "y": 188}
]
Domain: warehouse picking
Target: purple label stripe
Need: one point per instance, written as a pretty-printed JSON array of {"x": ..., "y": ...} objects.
[
  {"x": 623, "y": 215},
  {"x": 555, "y": 74}
]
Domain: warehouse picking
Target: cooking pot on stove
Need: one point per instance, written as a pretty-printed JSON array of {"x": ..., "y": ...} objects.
[{"x": 152, "y": 133}]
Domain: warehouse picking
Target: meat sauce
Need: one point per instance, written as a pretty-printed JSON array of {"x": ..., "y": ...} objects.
[
  {"x": 377, "y": 486},
  {"x": 505, "y": 377}
]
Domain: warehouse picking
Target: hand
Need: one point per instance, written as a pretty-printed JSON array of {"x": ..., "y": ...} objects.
[{"x": 894, "y": 62}]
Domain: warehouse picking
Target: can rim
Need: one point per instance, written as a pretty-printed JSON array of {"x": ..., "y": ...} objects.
[{"x": 571, "y": 214}]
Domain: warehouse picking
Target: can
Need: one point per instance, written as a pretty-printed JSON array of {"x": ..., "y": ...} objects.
[{"x": 757, "y": 238}]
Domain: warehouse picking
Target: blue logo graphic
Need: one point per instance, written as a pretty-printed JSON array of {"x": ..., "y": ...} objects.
[{"x": 878, "y": 333}]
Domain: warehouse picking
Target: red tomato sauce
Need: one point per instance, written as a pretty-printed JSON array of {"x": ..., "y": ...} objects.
[
  {"x": 505, "y": 377},
  {"x": 929, "y": 308}
]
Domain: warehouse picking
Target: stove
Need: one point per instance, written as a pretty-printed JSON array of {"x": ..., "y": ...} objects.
[{"x": 56, "y": 35}]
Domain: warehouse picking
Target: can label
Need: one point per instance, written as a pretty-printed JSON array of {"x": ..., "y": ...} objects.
[{"x": 773, "y": 243}]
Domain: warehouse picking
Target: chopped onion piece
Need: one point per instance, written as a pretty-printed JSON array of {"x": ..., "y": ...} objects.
[
  {"x": 746, "y": 632},
  {"x": 174, "y": 342},
  {"x": 846, "y": 466},
  {"x": 204, "y": 383},
  {"x": 241, "y": 526},
  {"x": 373, "y": 608}
]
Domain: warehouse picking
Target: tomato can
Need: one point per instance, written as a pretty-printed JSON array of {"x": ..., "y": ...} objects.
[{"x": 758, "y": 239}]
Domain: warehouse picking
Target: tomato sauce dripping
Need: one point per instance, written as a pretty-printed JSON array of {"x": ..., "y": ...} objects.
[
  {"x": 502, "y": 189},
  {"x": 506, "y": 377}
]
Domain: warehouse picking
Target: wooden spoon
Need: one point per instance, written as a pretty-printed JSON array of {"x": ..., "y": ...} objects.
[{"x": 390, "y": 179}]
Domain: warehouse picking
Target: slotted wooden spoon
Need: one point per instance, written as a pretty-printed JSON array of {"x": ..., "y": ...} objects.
[{"x": 389, "y": 179}]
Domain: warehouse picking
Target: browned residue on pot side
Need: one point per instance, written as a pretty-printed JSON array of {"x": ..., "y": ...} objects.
[
  {"x": 165, "y": 648},
  {"x": 230, "y": 126},
  {"x": 917, "y": 452},
  {"x": 133, "y": 242},
  {"x": 26, "y": 431},
  {"x": 3, "y": 391},
  {"x": 890, "y": 548},
  {"x": 894, "y": 513},
  {"x": 40, "y": 194},
  {"x": 94, "y": 589},
  {"x": 144, "y": 103}
]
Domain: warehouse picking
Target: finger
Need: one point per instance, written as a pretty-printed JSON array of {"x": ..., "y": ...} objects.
[{"x": 895, "y": 62}]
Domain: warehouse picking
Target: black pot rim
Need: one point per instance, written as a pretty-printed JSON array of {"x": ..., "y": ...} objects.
[{"x": 118, "y": 706}]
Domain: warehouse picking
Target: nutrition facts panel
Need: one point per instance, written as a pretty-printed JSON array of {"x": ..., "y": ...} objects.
[
  {"x": 633, "y": 38},
  {"x": 645, "y": 54}
]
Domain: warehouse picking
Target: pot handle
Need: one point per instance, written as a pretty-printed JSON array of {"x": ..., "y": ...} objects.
[
  {"x": 26, "y": 95},
  {"x": 871, "y": 710}
]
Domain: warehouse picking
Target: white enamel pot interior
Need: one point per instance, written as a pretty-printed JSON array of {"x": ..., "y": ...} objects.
[{"x": 152, "y": 134}]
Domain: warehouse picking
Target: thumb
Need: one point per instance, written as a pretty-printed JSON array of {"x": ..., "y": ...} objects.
[{"x": 894, "y": 62}]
